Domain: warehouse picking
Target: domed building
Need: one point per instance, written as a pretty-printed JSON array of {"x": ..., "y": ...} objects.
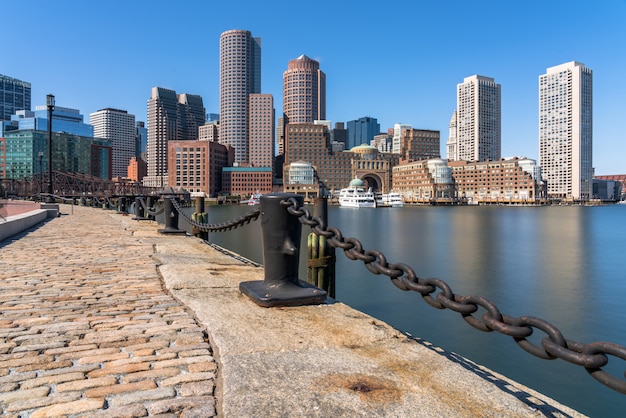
[{"x": 372, "y": 167}]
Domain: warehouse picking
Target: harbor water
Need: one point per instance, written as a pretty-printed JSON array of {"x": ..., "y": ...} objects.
[{"x": 563, "y": 264}]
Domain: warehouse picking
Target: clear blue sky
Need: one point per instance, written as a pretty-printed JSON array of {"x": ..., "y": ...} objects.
[{"x": 397, "y": 61}]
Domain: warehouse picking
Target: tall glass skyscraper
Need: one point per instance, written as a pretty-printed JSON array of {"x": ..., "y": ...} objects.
[
  {"x": 240, "y": 76},
  {"x": 566, "y": 130},
  {"x": 478, "y": 135},
  {"x": 362, "y": 131},
  {"x": 14, "y": 95}
]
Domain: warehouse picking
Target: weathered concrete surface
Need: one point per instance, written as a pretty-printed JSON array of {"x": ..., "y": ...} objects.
[{"x": 92, "y": 281}]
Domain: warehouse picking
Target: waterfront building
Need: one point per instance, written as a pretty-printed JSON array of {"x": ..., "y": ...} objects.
[
  {"x": 478, "y": 119},
  {"x": 371, "y": 167},
  {"x": 566, "y": 130},
  {"x": 398, "y": 129},
  {"x": 14, "y": 95},
  {"x": 240, "y": 76},
  {"x": 137, "y": 169},
  {"x": 261, "y": 130},
  {"x": 171, "y": 117},
  {"x": 301, "y": 179},
  {"x": 118, "y": 127},
  {"x": 196, "y": 166},
  {"x": 426, "y": 181},
  {"x": 451, "y": 149},
  {"x": 607, "y": 190},
  {"x": 513, "y": 180},
  {"x": 620, "y": 178},
  {"x": 419, "y": 144},
  {"x": 246, "y": 181},
  {"x": 362, "y": 131},
  {"x": 23, "y": 154}
]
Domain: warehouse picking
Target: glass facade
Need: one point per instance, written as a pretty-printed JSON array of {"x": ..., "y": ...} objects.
[{"x": 14, "y": 95}]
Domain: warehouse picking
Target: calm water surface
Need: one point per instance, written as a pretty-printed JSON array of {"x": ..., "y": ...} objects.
[{"x": 562, "y": 264}]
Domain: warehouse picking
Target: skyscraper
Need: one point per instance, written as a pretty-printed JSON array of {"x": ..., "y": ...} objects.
[
  {"x": 170, "y": 117},
  {"x": 478, "y": 135},
  {"x": 565, "y": 130},
  {"x": 261, "y": 130},
  {"x": 304, "y": 91},
  {"x": 362, "y": 131},
  {"x": 118, "y": 126},
  {"x": 14, "y": 96},
  {"x": 240, "y": 76}
]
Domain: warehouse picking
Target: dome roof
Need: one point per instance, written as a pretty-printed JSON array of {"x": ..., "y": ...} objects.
[
  {"x": 364, "y": 149},
  {"x": 357, "y": 183}
]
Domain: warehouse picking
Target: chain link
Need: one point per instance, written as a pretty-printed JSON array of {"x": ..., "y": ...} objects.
[
  {"x": 591, "y": 356},
  {"x": 221, "y": 227},
  {"x": 151, "y": 212}
]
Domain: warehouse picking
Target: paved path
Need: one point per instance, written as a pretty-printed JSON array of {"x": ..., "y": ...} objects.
[{"x": 87, "y": 329}]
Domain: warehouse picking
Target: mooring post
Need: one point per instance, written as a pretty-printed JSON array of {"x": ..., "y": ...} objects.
[
  {"x": 150, "y": 206},
  {"x": 201, "y": 217},
  {"x": 171, "y": 216},
  {"x": 281, "y": 249},
  {"x": 321, "y": 256},
  {"x": 121, "y": 205},
  {"x": 140, "y": 213}
]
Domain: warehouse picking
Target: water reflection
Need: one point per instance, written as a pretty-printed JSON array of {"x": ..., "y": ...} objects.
[{"x": 562, "y": 264}]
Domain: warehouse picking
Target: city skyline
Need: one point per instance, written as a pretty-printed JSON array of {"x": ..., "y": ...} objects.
[{"x": 398, "y": 72}]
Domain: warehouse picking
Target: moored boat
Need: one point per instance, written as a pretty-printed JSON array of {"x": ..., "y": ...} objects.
[{"x": 355, "y": 196}]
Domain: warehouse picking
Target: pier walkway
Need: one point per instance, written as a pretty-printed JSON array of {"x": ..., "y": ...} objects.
[{"x": 102, "y": 316}]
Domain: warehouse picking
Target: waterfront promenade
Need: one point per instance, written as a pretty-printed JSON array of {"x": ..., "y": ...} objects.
[{"x": 102, "y": 316}]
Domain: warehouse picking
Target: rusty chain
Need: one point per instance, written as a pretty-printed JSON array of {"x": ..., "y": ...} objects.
[
  {"x": 221, "y": 227},
  {"x": 439, "y": 295},
  {"x": 151, "y": 212}
]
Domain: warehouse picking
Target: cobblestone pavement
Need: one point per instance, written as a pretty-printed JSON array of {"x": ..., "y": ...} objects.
[{"x": 88, "y": 330}]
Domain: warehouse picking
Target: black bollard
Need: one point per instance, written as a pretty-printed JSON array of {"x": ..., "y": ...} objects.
[
  {"x": 281, "y": 242},
  {"x": 150, "y": 206},
  {"x": 121, "y": 205},
  {"x": 171, "y": 217},
  {"x": 201, "y": 217},
  {"x": 139, "y": 211}
]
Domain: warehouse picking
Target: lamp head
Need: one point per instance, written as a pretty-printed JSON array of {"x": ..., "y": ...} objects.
[{"x": 50, "y": 100}]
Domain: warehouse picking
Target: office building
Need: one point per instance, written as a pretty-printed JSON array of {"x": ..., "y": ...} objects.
[
  {"x": 419, "y": 144},
  {"x": 261, "y": 130},
  {"x": 141, "y": 140},
  {"x": 118, "y": 127},
  {"x": 396, "y": 140},
  {"x": 196, "y": 166},
  {"x": 171, "y": 117},
  {"x": 210, "y": 131},
  {"x": 304, "y": 91},
  {"x": 566, "y": 130},
  {"x": 478, "y": 119},
  {"x": 137, "y": 169},
  {"x": 362, "y": 131},
  {"x": 240, "y": 76},
  {"x": 14, "y": 95}
]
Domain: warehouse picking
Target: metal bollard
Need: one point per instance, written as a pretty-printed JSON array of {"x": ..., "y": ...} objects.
[
  {"x": 121, "y": 205},
  {"x": 201, "y": 217},
  {"x": 140, "y": 214},
  {"x": 281, "y": 241},
  {"x": 171, "y": 217},
  {"x": 150, "y": 206},
  {"x": 321, "y": 256}
]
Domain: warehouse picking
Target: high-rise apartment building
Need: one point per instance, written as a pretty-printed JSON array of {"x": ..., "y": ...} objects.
[
  {"x": 14, "y": 95},
  {"x": 304, "y": 91},
  {"x": 240, "y": 76},
  {"x": 565, "y": 130},
  {"x": 261, "y": 130},
  {"x": 171, "y": 117},
  {"x": 117, "y": 126},
  {"x": 478, "y": 131}
]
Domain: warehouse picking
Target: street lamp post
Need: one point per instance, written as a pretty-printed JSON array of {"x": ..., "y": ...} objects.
[
  {"x": 40, "y": 155},
  {"x": 50, "y": 105}
]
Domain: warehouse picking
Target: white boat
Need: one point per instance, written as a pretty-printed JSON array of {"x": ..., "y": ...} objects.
[
  {"x": 255, "y": 199},
  {"x": 355, "y": 196},
  {"x": 392, "y": 200}
]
